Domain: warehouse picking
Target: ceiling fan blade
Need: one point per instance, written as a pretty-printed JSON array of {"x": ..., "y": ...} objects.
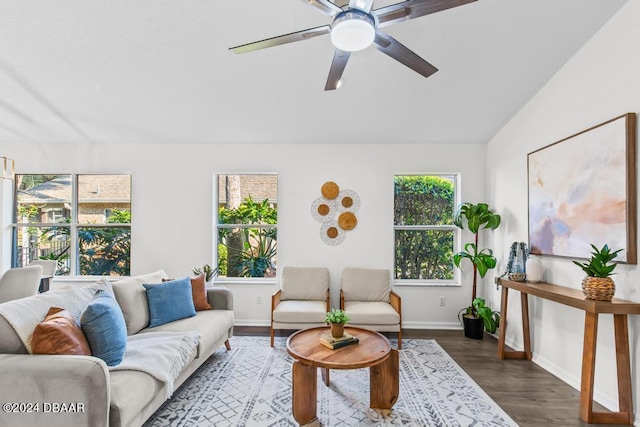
[
  {"x": 365, "y": 5},
  {"x": 325, "y": 6},
  {"x": 340, "y": 58},
  {"x": 410, "y": 9},
  {"x": 392, "y": 47},
  {"x": 283, "y": 39}
]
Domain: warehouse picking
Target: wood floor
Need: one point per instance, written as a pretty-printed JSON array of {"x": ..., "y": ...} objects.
[{"x": 530, "y": 395}]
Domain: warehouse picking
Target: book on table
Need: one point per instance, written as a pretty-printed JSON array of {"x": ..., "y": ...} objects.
[
  {"x": 331, "y": 342},
  {"x": 327, "y": 337}
]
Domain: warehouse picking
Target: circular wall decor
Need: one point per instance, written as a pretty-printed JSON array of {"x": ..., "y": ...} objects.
[
  {"x": 331, "y": 234},
  {"x": 347, "y": 220},
  {"x": 330, "y": 190},
  {"x": 348, "y": 200},
  {"x": 323, "y": 210},
  {"x": 343, "y": 204}
]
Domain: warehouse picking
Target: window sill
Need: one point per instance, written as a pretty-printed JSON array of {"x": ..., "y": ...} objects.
[
  {"x": 427, "y": 284},
  {"x": 240, "y": 281}
]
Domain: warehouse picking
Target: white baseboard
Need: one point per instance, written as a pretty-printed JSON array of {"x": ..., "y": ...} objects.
[
  {"x": 574, "y": 381},
  {"x": 405, "y": 325}
]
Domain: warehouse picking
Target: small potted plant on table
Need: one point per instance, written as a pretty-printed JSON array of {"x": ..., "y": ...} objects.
[
  {"x": 597, "y": 284},
  {"x": 337, "y": 318}
]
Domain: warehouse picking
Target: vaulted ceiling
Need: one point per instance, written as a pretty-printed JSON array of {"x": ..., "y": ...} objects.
[{"x": 160, "y": 71}]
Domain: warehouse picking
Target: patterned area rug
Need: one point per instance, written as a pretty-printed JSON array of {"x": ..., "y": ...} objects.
[{"x": 251, "y": 386}]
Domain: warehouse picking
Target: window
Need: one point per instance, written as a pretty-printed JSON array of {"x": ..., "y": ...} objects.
[
  {"x": 62, "y": 217},
  {"x": 246, "y": 228},
  {"x": 425, "y": 236}
]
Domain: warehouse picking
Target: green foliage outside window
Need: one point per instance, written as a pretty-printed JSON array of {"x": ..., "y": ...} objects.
[
  {"x": 248, "y": 251},
  {"x": 102, "y": 250},
  {"x": 425, "y": 204}
]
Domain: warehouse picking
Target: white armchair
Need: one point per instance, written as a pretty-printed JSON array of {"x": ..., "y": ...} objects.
[
  {"x": 368, "y": 300},
  {"x": 303, "y": 299},
  {"x": 18, "y": 283}
]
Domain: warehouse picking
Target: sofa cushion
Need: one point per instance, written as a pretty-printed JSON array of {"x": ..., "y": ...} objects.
[
  {"x": 132, "y": 298},
  {"x": 212, "y": 325},
  {"x": 304, "y": 283},
  {"x": 371, "y": 313},
  {"x": 169, "y": 301},
  {"x": 300, "y": 312},
  {"x": 59, "y": 333},
  {"x": 366, "y": 284},
  {"x": 104, "y": 326}
]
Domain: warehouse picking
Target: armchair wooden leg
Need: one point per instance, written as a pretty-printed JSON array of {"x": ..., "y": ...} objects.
[
  {"x": 271, "y": 335},
  {"x": 227, "y": 344},
  {"x": 400, "y": 339}
]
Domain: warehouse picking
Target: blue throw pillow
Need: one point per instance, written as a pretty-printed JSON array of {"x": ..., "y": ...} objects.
[
  {"x": 170, "y": 301},
  {"x": 103, "y": 324}
]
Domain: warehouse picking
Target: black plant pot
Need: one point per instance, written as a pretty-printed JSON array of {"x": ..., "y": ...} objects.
[{"x": 473, "y": 327}]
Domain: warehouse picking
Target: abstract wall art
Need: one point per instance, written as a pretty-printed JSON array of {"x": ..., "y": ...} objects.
[{"x": 582, "y": 191}]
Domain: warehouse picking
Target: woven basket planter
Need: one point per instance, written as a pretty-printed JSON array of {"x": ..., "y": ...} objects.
[{"x": 598, "y": 288}]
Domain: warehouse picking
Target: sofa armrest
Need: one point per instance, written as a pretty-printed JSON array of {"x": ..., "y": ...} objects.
[
  {"x": 68, "y": 390},
  {"x": 220, "y": 298}
]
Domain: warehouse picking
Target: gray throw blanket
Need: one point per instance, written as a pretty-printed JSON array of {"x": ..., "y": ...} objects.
[{"x": 162, "y": 355}]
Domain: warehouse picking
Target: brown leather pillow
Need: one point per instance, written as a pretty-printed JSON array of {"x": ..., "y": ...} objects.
[
  {"x": 199, "y": 291},
  {"x": 59, "y": 333}
]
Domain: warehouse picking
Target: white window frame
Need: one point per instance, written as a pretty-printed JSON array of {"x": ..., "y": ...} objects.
[
  {"x": 74, "y": 248},
  {"x": 217, "y": 227},
  {"x": 457, "y": 235}
]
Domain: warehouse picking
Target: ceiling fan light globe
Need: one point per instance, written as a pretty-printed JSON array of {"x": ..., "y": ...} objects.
[{"x": 353, "y": 31}]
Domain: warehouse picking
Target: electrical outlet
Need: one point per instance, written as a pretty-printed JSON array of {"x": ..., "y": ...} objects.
[
  {"x": 443, "y": 301},
  {"x": 258, "y": 299}
]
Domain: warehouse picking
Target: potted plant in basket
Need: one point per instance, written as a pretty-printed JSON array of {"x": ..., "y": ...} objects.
[
  {"x": 476, "y": 217},
  {"x": 337, "y": 318},
  {"x": 597, "y": 284}
]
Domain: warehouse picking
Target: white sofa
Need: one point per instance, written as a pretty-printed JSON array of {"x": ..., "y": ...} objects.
[{"x": 102, "y": 397}]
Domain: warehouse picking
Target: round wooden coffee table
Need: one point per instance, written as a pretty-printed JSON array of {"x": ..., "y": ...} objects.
[{"x": 373, "y": 351}]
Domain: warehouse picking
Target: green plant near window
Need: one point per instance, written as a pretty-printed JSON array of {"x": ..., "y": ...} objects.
[
  {"x": 207, "y": 270},
  {"x": 257, "y": 257},
  {"x": 337, "y": 316},
  {"x": 490, "y": 318},
  {"x": 476, "y": 216}
]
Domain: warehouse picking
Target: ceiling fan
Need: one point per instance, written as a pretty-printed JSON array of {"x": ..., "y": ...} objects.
[{"x": 356, "y": 26}]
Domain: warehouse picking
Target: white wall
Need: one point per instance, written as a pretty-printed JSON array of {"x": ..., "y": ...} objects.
[
  {"x": 172, "y": 206},
  {"x": 599, "y": 83}
]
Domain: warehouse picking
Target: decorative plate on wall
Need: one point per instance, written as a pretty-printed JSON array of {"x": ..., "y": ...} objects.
[{"x": 343, "y": 204}]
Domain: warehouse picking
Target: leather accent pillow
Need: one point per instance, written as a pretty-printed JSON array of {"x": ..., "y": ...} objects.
[
  {"x": 59, "y": 333},
  {"x": 198, "y": 292}
]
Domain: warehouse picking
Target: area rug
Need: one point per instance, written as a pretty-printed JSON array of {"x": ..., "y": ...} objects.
[{"x": 251, "y": 386}]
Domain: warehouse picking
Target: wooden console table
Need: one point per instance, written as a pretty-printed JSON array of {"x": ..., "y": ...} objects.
[{"x": 575, "y": 298}]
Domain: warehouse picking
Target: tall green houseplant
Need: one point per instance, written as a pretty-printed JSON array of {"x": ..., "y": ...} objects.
[{"x": 476, "y": 217}]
